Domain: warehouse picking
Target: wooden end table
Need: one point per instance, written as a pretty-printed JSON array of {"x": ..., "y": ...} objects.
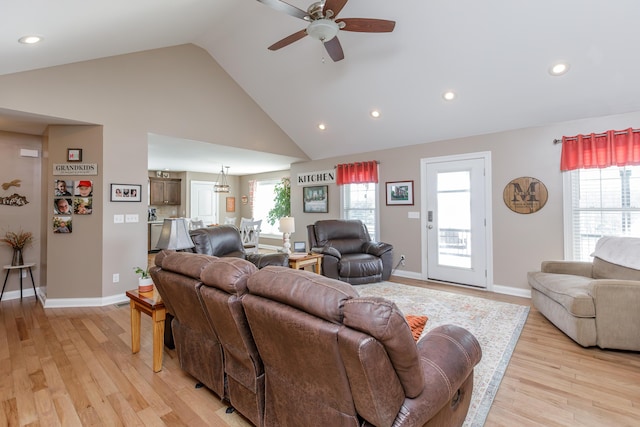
[
  {"x": 299, "y": 261},
  {"x": 149, "y": 303}
]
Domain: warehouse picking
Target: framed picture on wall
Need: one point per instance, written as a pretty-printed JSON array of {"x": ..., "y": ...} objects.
[
  {"x": 126, "y": 192},
  {"x": 316, "y": 199},
  {"x": 400, "y": 193},
  {"x": 231, "y": 204},
  {"x": 74, "y": 154}
]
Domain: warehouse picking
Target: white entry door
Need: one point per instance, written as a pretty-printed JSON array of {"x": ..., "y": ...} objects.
[
  {"x": 455, "y": 217},
  {"x": 204, "y": 202}
]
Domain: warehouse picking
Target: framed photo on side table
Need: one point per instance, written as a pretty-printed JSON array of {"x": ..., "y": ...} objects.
[
  {"x": 126, "y": 193},
  {"x": 400, "y": 193}
]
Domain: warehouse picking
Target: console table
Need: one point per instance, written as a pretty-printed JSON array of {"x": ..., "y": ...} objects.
[{"x": 10, "y": 268}]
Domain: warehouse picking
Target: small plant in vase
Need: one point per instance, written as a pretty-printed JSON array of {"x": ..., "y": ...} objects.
[
  {"x": 18, "y": 241},
  {"x": 145, "y": 282}
]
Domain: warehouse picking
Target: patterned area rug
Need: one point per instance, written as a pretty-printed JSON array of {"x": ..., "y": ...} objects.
[{"x": 496, "y": 326}]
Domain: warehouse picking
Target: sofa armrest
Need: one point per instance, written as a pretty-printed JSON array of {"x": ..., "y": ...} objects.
[
  {"x": 263, "y": 260},
  {"x": 448, "y": 354},
  {"x": 327, "y": 250},
  {"x": 577, "y": 268},
  {"x": 617, "y": 305},
  {"x": 376, "y": 248}
]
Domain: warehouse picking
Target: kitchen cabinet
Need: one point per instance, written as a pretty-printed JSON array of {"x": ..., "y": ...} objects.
[{"x": 164, "y": 191}]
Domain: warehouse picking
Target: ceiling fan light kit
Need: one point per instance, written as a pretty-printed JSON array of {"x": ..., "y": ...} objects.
[
  {"x": 323, "y": 26},
  {"x": 323, "y": 29}
]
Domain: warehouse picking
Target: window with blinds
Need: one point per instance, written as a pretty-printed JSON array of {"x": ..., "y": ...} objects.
[
  {"x": 603, "y": 202},
  {"x": 360, "y": 201}
]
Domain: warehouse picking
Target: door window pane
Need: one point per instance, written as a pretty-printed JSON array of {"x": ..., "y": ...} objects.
[{"x": 454, "y": 218}]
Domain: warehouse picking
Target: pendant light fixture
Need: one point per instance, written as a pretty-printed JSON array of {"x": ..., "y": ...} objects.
[{"x": 223, "y": 185}]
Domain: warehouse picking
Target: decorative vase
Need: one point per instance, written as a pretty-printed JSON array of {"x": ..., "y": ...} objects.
[
  {"x": 145, "y": 285},
  {"x": 17, "y": 257}
]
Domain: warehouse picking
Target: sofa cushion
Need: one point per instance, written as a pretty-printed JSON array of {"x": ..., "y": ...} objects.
[
  {"x": 605, "y": 270},
  {"x": 571, "y": 291},
  {"x": 228, "y": 274},
  {"x": 318, "y": 295},
  {"x": 359, "y": 265},
  {"x": 186, "y": 263},
  {"x": 381, "y": 319}
]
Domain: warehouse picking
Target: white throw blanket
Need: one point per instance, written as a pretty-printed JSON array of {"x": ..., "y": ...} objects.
[{"x": 624, "y": 251}]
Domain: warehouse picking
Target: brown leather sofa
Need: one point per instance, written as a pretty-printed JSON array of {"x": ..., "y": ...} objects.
[
  {"x": 223, "y": 241},
  {"x": 349, "y": 253},
  {"x": 299, "y": 349}
]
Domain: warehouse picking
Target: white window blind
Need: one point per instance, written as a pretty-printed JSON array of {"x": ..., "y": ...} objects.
[
  {"x": 360, "y": 201},
  {"x": 603, "y": 202}
]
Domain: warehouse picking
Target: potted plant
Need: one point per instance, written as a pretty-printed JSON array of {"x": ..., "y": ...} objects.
[
  {"x": 17, "y": 241},
  {"x": 281, "y": 201},
  {"x": 145, "y": 282}
]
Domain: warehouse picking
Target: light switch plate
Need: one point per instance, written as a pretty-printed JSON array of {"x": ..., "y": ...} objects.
[
  {"x": 413, "y": 215},
  {"x": 131, "y": 218},
  {"x": 118, "y": 219}
]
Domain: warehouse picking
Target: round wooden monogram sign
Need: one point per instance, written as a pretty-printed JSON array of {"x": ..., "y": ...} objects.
[{"x": 525, "y": 195}]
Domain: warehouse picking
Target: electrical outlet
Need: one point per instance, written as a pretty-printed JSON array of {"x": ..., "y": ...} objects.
[
  {"x": 116, "y": 278},
  {"x": 402, "y": 259},
  {"x": 24, "y": 273}
]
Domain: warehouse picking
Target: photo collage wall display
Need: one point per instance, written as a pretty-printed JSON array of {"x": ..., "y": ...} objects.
[{"x": 71, "y": 198}]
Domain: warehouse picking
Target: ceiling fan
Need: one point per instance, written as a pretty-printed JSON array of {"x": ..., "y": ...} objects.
[{"x": 324, "y": 24}]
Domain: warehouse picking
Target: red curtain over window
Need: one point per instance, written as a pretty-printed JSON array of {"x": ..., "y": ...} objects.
[
  {"x": 357, "y": 173},
  {"x": 612, "y": 148}
]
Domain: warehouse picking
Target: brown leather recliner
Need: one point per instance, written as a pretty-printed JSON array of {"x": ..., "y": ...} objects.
[
  {"x": 349, "y": 253},
  {"x": 177, "y": 279},
  {"x": 225, "y": 241},
  {"x": 224, "y": 286},
  {"x": 332, "y": 358}
]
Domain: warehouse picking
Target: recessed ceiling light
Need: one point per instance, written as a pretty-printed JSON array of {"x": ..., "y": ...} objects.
[
  {"x": 31, "y": 39},
  {"x": 321, "y": 126},
  {"x": 559, "y": 69},
  {"x": 449, "y": 95},
  {"x": 375, "y": 114}
]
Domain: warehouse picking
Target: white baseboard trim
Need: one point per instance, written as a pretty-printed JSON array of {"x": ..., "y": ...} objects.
[
  {"x": 9, "y": 295},
  {"x": 509, "y": 290},
  {"x": 498, "y": 289},
  {"x": 407, "y": 274},
  {"x": 83, "y": 302}
]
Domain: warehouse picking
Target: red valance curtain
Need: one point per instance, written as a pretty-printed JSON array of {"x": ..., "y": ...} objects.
[
  {"x": 357, "y": 173},
  {"x": 612, "y": 148}
]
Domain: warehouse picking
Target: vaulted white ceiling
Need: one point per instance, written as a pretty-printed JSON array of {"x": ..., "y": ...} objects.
[{"x": 494, "y": 54}]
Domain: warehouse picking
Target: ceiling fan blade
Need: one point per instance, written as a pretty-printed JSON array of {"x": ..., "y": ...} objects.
[
  {"x": 288, "y": 40},
  {"x": 334, "y": 49},
  {"x": 281, "y": 6},
  {"x": 365, "y": 25},
  {"x": 334, "y": 5}
]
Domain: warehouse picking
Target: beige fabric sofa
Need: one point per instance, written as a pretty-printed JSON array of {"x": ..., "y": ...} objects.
[{"x": 594, "y": 303}]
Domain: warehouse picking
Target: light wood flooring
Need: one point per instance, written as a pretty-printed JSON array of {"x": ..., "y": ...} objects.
[{"x": 72, "y": 367}]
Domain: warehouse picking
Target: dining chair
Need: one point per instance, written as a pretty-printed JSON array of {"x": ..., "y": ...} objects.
[{"x": 250, "y": 233}]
